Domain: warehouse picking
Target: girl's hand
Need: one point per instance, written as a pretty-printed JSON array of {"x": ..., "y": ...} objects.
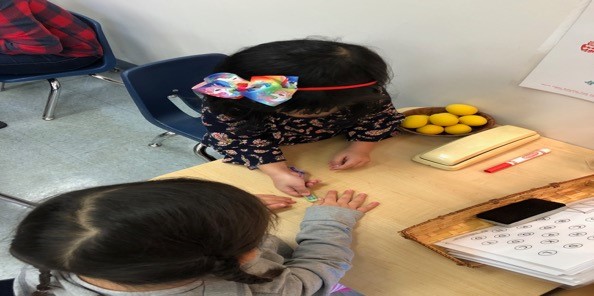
[
  {"x": 347, "y": 201},
  {"x": 292, "y": 184},
  {"x": 286, "y": 180},
  {"x": 348, "y": 159},
  {"x": 275, "y": 202},
  {"x": 356, "y": 155}
]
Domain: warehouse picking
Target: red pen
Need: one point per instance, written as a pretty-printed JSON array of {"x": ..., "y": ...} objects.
[{"x": 518, "y": 160}]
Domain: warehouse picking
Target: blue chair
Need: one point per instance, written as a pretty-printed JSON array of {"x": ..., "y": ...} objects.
[
  {"x": 107, "y": 62},
  {"x": 154, "y": 86},
  {"x": 6, "y": 287}
]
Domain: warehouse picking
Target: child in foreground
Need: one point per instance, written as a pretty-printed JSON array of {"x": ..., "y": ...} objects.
[
  {"x": 180, "y": 237},
  {"x": 292, "y": 92}
]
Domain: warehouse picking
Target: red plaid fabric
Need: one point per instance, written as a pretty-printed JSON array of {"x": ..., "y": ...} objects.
[{"x": 40, "y": 27}]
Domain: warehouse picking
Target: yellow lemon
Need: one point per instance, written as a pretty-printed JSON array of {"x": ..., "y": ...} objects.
[
  {"x": 473, "y": 120},
  {"x": 415, "y": 121},
  {"x": 461, "y": 109},
  {"x": 458, "y": 129},
  {"x": 443, "y": 119},
  {"x": 430, "y": 129}
]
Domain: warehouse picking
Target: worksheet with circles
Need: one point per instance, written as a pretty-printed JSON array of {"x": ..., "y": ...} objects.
[{"x": 556, "y": 245}]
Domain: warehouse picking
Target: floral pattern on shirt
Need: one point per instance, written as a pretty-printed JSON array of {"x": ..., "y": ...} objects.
[{"x": 256, "y": 148}]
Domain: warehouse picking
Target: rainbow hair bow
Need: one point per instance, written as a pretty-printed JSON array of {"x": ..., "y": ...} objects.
[{"x": 267, "y": 90}]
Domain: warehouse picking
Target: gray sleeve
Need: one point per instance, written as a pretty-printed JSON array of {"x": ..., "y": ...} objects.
[
  {"x": 26, "y": 282},
  {"x": 322, "y": 256}
]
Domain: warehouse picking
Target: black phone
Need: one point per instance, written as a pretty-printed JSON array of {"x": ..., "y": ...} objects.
[{"x": 521, "y": 212}]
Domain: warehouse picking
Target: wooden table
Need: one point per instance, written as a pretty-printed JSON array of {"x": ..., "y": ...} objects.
[{"x": 410, "y": 193}]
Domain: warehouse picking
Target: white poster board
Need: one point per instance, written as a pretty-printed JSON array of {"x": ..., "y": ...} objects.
[{"x": 568, "y": 69}]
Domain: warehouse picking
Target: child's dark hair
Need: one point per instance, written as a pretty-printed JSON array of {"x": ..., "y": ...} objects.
[
  {"x": 316, "y": 63},
  {"x": 146, "y": 232}
]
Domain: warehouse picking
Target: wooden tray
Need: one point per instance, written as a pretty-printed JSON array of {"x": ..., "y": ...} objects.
[{"x": 464, "y": 221}]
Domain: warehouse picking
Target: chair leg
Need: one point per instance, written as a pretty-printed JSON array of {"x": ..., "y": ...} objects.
[
  {"x": 2, "y": 86},
  {"x": 200, "y": 150},
  {"x": 17, "y": 200},
  {"x": 104, "y": 78},
  {"x": 52, "y": 100},
  {"x": 158, "y": 140}
]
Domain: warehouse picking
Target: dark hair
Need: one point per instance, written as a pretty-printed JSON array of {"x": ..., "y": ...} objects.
[
  {"x": 317, "y": 63},
  {"x": 146, "y": 233}
]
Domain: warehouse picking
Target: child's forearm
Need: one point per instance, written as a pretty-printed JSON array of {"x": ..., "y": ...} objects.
[
  {"x": 365, "y": 147},
  {"x": 323, "y": 254},
  {"x": 275, "y": 168}
]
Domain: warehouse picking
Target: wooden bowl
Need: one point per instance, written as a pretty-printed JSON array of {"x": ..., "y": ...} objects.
[{"x": 433, "y": 110}]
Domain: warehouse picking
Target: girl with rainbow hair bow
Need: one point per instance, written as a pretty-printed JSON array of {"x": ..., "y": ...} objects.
[{"x": 292, "y": 92}]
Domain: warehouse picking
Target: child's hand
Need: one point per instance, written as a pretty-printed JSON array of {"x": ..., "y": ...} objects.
[
  {"x": 287, "y": 180},
  {"x": 356, "y": 155},
  {"x": 347, "y": 201},
  {"x": 347, "y": 159},
  {"x": 293, "y": 184},
  {"x": 275, "y": 202}
]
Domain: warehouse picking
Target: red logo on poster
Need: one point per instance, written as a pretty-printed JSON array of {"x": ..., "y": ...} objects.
[{"x": 588, "y": 47}]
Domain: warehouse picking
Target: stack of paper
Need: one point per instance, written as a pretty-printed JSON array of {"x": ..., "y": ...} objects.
[{"x": 558, "y": 248}]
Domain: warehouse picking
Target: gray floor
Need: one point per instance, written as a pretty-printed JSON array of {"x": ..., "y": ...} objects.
[{"x": 98, "y": 137}]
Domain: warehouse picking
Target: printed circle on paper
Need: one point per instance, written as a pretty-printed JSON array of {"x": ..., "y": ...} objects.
[{"x": 547, "y": 253}]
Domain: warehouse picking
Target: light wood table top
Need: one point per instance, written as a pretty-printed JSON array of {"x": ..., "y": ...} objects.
[{"x": 410, "y": 193}]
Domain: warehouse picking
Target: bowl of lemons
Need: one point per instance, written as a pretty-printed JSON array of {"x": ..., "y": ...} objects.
[{"x": 454, "y": 120}]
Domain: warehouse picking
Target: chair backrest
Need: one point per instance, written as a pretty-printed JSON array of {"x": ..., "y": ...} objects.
[
  {"x": 108, "y": 61},
  {"x": 105, "y": 63},
  {"x": 6, "y": 287},
  {"x": 150, "y": 85}
]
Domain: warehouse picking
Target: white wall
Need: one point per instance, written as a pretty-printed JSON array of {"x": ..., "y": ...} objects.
[{"x": 441, "y": 51}]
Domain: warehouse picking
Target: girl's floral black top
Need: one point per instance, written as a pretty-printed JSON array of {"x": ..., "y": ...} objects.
[{"x": 256, "y": 148}]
